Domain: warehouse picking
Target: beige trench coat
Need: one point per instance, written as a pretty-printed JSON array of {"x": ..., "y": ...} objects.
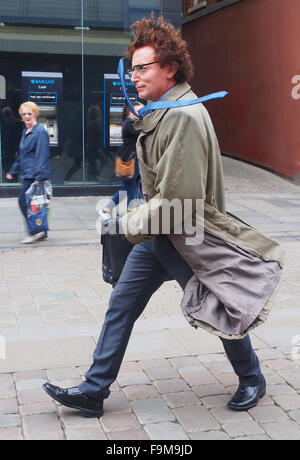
[{"x": 236, "y": 268}]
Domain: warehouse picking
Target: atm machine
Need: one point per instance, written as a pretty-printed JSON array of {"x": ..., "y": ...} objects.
[
  {"x": 45, "y": 89},
  {"x": 114, "y": 103},
  {"x": 48, "y": 119}
]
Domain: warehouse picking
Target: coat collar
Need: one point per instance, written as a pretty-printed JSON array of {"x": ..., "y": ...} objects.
[
  {"x": 150, "y": 122},
  {"x": 32, "y": 129}
]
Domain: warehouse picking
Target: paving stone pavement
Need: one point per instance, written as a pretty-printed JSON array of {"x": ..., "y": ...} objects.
[{"x": 175, "y": 382}]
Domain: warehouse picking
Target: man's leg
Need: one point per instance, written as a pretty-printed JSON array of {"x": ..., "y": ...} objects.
[
  {"x": 239, "y": 352},
  {"x": 243, "y": 360},
  {"x": 140, "y": 278},
  {"x": 142, "y": 275},
  {"x": 245, "y": 363}
]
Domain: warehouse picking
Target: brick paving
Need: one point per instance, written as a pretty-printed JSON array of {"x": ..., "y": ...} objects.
[
  {"x": 175, "y": 382},
  {"x": 147, "y": 411}
]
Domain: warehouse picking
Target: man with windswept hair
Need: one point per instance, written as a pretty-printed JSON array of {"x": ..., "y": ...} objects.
[{"x": 228, "y": 278}]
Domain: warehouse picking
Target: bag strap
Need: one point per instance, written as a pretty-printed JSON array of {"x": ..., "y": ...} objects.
[{"x": 159, "y": 105}]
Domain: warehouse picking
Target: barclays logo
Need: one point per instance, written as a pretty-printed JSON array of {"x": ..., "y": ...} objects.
[
  {"x": 127, "y": 83},
  {"x": 42, "y": 82}
]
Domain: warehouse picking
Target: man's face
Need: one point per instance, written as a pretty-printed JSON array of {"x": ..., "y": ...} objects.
[{"x": 151, "y": 81}]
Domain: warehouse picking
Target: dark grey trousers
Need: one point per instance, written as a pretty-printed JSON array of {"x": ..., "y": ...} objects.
[{"x": 147, "y": 267}]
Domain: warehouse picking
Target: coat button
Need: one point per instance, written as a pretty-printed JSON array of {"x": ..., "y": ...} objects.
[
  {"x": 234, "y": 230},
  {"x": 266, "y": 258}
]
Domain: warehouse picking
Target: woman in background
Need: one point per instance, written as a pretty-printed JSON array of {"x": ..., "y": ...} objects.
[
  {"x": 32, "y": 162},
  {"x": 10, "y": 138}
]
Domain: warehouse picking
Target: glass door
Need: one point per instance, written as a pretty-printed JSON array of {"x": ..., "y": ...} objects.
[{"x": 105, "y": 37}]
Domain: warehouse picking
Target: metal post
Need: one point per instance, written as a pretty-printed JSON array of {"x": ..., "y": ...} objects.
[
  {"x": 2, "y": 96},
  {"x": 126, "y": 14},
  {"x": 0, "y": 154},
  {"x": 82, "y": 89}
]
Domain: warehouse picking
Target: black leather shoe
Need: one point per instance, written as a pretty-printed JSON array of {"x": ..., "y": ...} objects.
[
  {"x": 72, "y": 397},
  {"x": 247, "y": 396}
]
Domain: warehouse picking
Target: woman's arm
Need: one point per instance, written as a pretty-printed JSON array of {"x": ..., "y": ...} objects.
[{"x": 42, "y": 156}]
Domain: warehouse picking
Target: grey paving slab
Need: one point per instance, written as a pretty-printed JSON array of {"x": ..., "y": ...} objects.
[
  {"x": 42, "y": 427},
  {"x": 196, "y": 418},
  {"x": 119, "y": 422},
  {"x": 165, "y": 431},
  {"x": 137, "y": 435},
  {"x": 295, "y": 415},
  {"x": 267, "y": 414},
  {"x": 11, "y": 434},
  {"x": 197, "y": 341},
  {"x": 280, "y": 328},
  {"x": 225, "y": 415},
  {"x": 181, "y": 399},
  {"x": 171, "y": 385},
  {"x": 283, "y": 431},
  {"x": 8, "y": 405},
  {"x": 288, "y": 401},
  {"x": 154, "y": 344},
  {"x": 36, "y": 408},
  {"x": 152, "y": 410},
  {"x": 47, "y": 353},
  {"x": 117, "y": 403},
  {"x": 134, "y": 392},
  {"x": 132, "y": 378},
  {"x": 88, "y": 434},
  {"x": 242, "y": 428},
  {"x": 209, "y": 436},
  {"x": 8, "y": 420},
  {"x": 153, "y": 363},
  {"x": 161, "y": 373}
]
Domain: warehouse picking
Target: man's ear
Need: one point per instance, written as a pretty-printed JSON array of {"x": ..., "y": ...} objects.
[{"x": 172, "y": 70}]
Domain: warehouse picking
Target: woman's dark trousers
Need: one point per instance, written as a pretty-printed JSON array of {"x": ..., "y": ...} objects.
[{"x": 22, "y": 200}]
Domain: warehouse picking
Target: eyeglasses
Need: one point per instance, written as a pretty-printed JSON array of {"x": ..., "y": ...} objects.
[{"x": 139, "y": 68}]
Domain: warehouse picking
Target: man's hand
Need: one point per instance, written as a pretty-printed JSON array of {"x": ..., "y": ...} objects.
[
  {"x": 37, "y": 182},
  {"x": 113, "y": 226},
  {"x": 9, "y": 176}
]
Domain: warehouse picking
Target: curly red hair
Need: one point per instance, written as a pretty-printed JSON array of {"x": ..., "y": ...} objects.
[{"x": 168, "y": 43}]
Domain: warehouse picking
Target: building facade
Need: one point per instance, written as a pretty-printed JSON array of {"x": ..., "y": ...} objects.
[
  {"x": 251, "y": 49},
  {"x": 63, "y": 55}
]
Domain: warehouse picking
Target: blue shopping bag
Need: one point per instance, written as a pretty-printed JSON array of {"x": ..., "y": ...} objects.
[
  {"x": 37, "y": 221},
  {"x": 38, "y": 199}
]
